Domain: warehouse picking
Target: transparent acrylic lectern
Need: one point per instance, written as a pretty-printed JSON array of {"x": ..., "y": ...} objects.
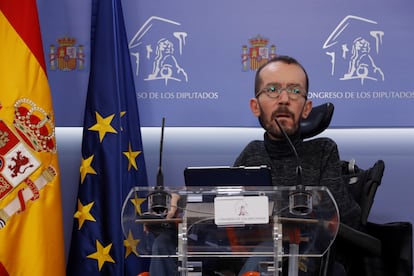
[{"x": 270, "y": 230}]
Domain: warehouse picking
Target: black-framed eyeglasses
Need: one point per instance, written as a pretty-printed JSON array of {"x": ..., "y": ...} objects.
[{"x": 274, "y": 90}]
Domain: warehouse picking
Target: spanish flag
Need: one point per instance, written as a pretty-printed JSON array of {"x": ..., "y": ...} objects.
[{"x": 31, "y": 228}]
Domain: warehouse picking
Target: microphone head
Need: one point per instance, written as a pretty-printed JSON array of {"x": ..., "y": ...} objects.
[
  {"x": 300, "y": 202},
  {"x": 159, "y": 201}
]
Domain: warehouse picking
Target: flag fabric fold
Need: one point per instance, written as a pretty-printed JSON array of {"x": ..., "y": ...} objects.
[
  {"x": 112, "y": 157},
  {"x": 31, "y": 227}
]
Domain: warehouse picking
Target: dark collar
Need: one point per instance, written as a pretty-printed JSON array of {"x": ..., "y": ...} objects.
[{"x": 281, "y": 148}]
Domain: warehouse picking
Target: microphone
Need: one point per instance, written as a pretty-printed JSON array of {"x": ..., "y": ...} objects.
[
  {"x": 159, "y": 200},
  {"x": 300, "y": 201}
]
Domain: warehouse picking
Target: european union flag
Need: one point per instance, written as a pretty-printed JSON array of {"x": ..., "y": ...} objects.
[{"x": 112, "y": 156}]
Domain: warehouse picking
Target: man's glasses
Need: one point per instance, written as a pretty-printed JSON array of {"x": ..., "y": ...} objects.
[{"x": 274, "y": 90}]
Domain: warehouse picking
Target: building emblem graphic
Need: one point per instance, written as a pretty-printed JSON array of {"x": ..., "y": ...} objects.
[
  {"x": 257, "y": 54},
  {"x": 158, "y": 48},
  {"x": 66, "y": 56},
  {"x": 354, "y": 47}
]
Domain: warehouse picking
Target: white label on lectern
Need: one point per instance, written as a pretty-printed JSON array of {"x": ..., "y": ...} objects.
[{"x": 241, "y": 210}]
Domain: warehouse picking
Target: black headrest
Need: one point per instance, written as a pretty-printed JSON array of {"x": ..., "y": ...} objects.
[{"x": 317, "y": 121}]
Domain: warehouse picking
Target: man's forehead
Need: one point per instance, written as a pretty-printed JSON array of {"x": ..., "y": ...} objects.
[{"x": 284, "y": 73}]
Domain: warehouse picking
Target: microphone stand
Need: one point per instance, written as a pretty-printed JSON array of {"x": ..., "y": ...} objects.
[
  {"x": 300, "y": 204},
  {"x": 159, "y": 200},
  {"x": 300, "y": 201}
]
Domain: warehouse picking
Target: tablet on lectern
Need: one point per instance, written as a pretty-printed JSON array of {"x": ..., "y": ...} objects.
[{"x": 227, "y": 176}]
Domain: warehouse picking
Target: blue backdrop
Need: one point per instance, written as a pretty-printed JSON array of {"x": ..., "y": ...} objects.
[{"x": 194, "y": 61}]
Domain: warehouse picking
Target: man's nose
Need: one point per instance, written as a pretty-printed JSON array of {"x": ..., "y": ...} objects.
[{"x": 283, "y": 97}]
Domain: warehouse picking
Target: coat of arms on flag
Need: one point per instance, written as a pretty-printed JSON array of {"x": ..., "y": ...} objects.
[{"x": 32, "y": 131}]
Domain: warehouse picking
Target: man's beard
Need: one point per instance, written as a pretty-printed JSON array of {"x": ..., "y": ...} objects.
[{"x": 272, "y": 127}]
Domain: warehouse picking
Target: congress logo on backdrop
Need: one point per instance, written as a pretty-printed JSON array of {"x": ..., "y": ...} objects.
[
  {"x": 66, "y": 56},
  {"x": 257, "y": 54},
  {"x": 157, "y": 47},
  {"x": 354, "y": 50}
]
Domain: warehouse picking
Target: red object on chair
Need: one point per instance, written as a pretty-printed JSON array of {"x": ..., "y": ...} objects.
[
  {"x": 144, "y": 274},
  {"x": 294, "y": 235},
  {"x": 251, "y": 273}
]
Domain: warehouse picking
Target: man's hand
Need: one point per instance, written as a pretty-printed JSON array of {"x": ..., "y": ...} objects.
[{"x": 173, "y": 205}]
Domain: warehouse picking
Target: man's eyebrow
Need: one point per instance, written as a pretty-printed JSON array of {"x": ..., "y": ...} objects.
[
  {"x": 273, "y": 83},
  {"x": 288, "y": 84},
  {"x": 294, "y": 84}
]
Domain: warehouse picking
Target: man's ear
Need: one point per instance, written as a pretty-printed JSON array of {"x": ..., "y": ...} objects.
[
  {"x": 307, "y": 109},
  {"x": 254, "y": 107}
]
